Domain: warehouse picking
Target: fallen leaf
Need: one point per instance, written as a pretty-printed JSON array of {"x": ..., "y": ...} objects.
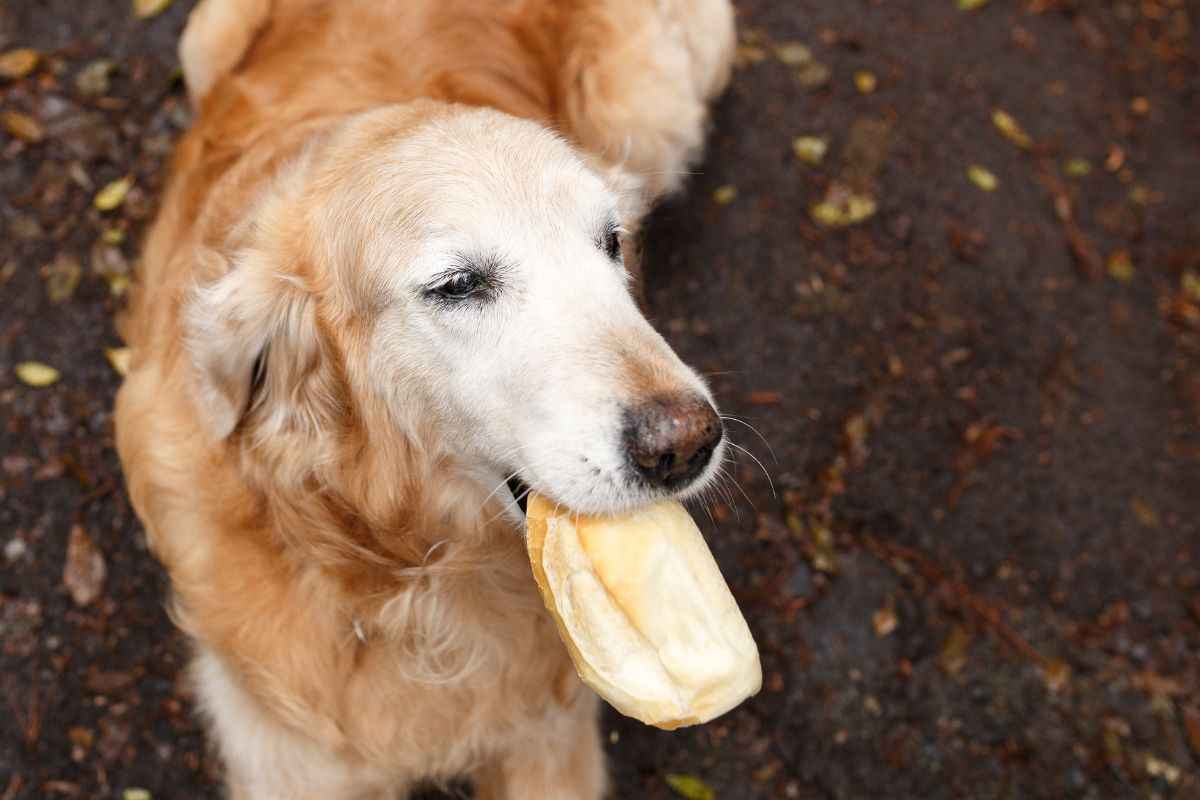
[
  {"x": 724, "y": 195},
  {"x": 113, "y": 236},
  {"x": 810, "y": 149},
  {"x": 1120, "y": 266},
  {"x": 971, "y": 5},
  {"x": 1078, "y": 168},
  {"x": 748, "y": 54},
  {"x": 1191, "y": 723},
  {"x": 1157, "y": 768},
  {"x": 885, "y": 621},
  {"x": 813, "y": 75},
  {"x": 1190, "y": 284},
  {"x": 144, "y": 9},
  {"x": 84, "y": 570},
  {"x": 135, "y": 793},
  {"x": 81, "y": 737},
  {"x": 1011, "y": 129},
  {"x": 62, "y": 278},
  {"x": 1115, "y": 159},
  {"x": 37, "y": 374},
  {"x": 690, "y": 787},
  {"x": 16, "y": 64},
  {"x": 1144, "y": 513},
  {"x": 23, "y": 126},
  {"x": 119, "y": 358},
  {"x": 112, "y": 195},
  {"x": 793, "y": 54},
  {"x": 108, "y": 260},
  {"x": 109, "y": 681},
  {"x": 763, "y": 398},
  {"x": 865, "y": 82},
  {"x": 982, "y": 177},
  {"x": 843, "y": 207},
  {"x": 1056, "y": 674},
  {"x": 824, "y": 556},
  {"x": 92, "y": 80},
  {"x": 954, "y": 652}
]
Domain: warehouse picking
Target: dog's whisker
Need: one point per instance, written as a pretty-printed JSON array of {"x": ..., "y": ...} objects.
[
  {"x": 756, "y": 432},
  {"x": 500, "y": 485},
  {"x": 770, "y": 482},
  {"x": 516, "y": 501}
]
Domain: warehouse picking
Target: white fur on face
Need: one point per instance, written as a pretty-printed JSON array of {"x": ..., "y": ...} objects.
[{"x": 532, "y": 376}]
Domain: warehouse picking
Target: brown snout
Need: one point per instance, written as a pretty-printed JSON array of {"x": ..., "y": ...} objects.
[{"x": 670, "y": 440}]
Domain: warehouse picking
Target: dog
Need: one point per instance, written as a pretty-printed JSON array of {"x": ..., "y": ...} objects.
[{"x": 386, "y": 291}]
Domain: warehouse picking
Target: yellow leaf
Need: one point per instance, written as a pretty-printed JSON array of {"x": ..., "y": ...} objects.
[
  {"x": 22, "y": 126},
  {"x": 144, "y": 9},
  {"x": 35, "y": 373},
  {"x": 810, "y": 149},
  {"x": 982, "y": 177},
  {"x": 691, "y": 787},
  {"x": 793, "y": 54},
  {"x": 724, "y": 195},
  {"x": 971, "y": 5},
  {"x": 17, "y": 64},
  {"x": 119, "y": 358},
  {"x": 1190, "y": 283},
  {"x": 62, "y": 278},
  {"x": 842, "y": 207},
  {"x": 1078, "y": 168},
  {"x": 112, "y": 195},
  {"x": 954, "y": 652},
  {"x": 1011, "y": 129},
  {"x": 885, "y": 621},
  {"x": 1120, "y": 266},
  {"x": 118, "y": 285},
  {"x": 865, "y": 81}
]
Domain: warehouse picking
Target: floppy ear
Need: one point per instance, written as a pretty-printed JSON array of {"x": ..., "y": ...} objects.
[{"x": 253, "y": 341}]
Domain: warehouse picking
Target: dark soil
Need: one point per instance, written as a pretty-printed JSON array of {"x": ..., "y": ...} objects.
[{"x": 978, "y": 574}]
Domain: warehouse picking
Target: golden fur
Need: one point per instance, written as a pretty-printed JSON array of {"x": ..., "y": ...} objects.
[{"x": 364, "y": 615}]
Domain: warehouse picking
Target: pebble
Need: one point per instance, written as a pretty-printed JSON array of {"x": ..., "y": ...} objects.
[{"x": 15, "y": 550}]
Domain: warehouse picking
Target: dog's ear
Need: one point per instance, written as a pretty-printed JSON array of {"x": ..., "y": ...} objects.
[{"x": 254, "y": 344}]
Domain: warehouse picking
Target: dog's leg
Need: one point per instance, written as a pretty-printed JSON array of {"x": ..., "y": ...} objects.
[
  {"x": 563, "y": 760},
  {"x": 639, "y": 76},
  {"x": 217, "y": 36}
]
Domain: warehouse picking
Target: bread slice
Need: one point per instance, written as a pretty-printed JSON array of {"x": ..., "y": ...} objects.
[{"x": 644, "y": 612}]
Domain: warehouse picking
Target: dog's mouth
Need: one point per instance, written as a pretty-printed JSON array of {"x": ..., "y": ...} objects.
[{"x": 520, "y": 493}]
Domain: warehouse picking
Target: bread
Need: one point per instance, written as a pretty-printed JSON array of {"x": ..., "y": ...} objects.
[{"x": 643, "y": 610}]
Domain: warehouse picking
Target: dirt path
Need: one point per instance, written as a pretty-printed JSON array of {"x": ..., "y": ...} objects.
[{"x": 979, "y": 572}]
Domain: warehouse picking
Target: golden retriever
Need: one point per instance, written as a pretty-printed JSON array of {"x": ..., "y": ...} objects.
[{"x": 385, "y": 283}]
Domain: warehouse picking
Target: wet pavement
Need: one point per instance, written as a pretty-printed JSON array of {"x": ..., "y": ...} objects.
[{"x": 968, "y": 343}]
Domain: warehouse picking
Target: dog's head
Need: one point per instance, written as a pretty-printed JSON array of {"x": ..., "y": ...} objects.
[{"x": 458, "y": 271}]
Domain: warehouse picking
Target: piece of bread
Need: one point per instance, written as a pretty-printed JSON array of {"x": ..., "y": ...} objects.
[{"x": 643, "y": 609}]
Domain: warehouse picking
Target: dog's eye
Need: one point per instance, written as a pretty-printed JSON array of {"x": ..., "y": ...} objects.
[
  {"x": 612, "y": 243},
  {"x": 460, "y": 286}
]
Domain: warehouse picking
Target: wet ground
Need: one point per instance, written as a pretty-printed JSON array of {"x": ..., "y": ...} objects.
[{"x": 971, "y": 340}]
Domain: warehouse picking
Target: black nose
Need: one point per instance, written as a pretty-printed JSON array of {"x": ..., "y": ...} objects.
[{"x": 671, "y": 439}]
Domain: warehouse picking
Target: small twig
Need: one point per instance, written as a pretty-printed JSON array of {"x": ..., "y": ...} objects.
[
  {"x": 964, "y": 598},
  {"x": 1081, "y": 249}
]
